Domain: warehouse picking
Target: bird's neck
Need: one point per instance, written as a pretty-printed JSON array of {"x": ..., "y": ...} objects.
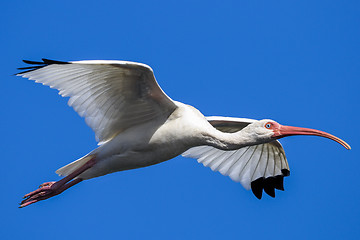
[{"x": 230, "y": 141}]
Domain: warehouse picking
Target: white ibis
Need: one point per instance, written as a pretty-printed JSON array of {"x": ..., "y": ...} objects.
[{"x": 138, "y": 125}]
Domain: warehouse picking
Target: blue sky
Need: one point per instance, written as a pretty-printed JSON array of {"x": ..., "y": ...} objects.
[{"x": 296, "y": 62}]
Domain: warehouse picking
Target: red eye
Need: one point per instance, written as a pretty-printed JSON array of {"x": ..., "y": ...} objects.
[{"x": 268, "y": 125}]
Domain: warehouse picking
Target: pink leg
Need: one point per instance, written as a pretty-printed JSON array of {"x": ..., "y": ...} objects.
[{"x": 50, "y": 189}]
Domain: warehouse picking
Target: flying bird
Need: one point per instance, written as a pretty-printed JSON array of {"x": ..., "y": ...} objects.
[{"x": 137, "y": 125}]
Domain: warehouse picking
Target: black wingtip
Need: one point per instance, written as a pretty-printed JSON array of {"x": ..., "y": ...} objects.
[
  {"x": 32, "y": 62},
  {"x": 285, "y": 172},
  {"x": 22, "y": 68},
  {"x": 269, "y": 184},
  {"x": 269, "y": 187},
  {"x": 49, "y": 61},
  {"x": 257, "y": 187},
  {"x": 279, "y": 182},
  {"x": 37, "y": 65}
]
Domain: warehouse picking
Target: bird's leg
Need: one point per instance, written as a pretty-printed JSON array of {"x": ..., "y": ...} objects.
[{"x": 50, "y": 189}]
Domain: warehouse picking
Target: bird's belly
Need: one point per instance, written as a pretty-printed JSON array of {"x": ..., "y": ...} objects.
[
  {"x": 132, "y": 159},
  {"x": 144, "y": 146}
]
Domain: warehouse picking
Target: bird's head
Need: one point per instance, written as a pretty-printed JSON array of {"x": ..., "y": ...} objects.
[{"x": 268, "y": 130}]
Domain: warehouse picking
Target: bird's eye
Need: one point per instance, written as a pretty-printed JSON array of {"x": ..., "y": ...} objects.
[{"x": 268, "y": 125}]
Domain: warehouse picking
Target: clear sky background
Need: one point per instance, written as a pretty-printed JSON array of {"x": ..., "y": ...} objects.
[{"x": 296, "y": 62}]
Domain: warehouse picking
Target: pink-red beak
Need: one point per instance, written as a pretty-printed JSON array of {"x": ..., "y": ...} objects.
[{"x": 283, "y": 131}]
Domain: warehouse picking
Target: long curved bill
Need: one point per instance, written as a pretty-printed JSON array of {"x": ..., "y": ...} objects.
[{"x": 284, "y": 131}]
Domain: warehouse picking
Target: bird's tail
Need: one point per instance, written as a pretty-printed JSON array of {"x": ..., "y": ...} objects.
[{"x": 71, "y": 167}]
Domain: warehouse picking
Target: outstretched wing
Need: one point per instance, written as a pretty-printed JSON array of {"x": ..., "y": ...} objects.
[
  {"x": 260, "y": 167},
  {"x": 112, "y": 95}
]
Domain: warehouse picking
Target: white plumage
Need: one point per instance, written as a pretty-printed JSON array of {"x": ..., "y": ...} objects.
[
  {"x": 138, "y": 125},
  {"x": 111, "y": 95},
  {"x": 243, "y": 165}
]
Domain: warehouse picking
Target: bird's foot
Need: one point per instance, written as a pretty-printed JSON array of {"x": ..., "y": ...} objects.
[
  {"x": 45, "y": 191},
  {"x": 50, "y": 189},
  {"x": 46, "y": 184}
]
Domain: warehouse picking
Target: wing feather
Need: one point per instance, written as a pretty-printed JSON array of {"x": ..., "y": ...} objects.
[
  {"x": 112, "y": 95},
  {"x": 260, "y": 167}
]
